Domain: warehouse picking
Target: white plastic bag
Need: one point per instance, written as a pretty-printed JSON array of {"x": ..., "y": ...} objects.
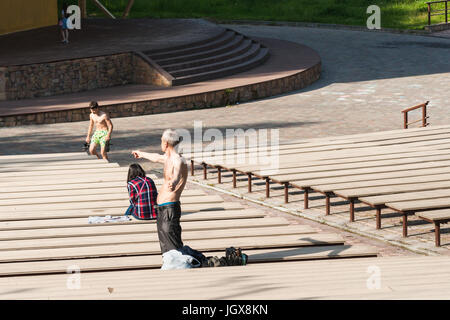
[{"x": 174, "y": 259}]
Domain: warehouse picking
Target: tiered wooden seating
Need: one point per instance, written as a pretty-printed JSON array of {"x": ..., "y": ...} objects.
[
  {"x": 45, "y": 202},
  {"x": 403, "y": 170}
]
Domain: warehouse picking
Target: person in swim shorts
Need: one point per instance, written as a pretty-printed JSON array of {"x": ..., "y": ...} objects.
[{"x": 102, "y": 134}]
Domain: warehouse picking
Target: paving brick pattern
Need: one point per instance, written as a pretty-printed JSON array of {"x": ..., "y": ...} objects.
[{"x": 367, "y": 79}]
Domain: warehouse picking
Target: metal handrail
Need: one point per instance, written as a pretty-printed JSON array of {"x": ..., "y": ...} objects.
[
  {"x": 424, "y": 115},
  {"x": 444, "y": 11}
]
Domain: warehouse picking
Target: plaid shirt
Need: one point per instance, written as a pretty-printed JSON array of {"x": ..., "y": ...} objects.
[{"x": 142, "y": 192}]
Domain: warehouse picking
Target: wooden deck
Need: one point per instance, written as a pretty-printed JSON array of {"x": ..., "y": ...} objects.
[
  {"x": 45, "y": 202},
  {"x": 399, "y": 278},
  {"x": 404, "y": 170}
]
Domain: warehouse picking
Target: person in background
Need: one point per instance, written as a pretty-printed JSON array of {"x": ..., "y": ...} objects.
[
  {"x": 143, "y": 194},
  {"x": 63, "y": 24}
]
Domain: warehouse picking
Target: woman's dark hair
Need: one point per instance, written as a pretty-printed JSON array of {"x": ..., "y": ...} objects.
[
  {"x": 64, "y": 9},
  {"x": 134, "y": 171}
]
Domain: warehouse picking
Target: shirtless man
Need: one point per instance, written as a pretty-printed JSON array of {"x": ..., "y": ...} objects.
[
  {"x": 175, "y": 177},
  {"x": 103, "y": 130}
]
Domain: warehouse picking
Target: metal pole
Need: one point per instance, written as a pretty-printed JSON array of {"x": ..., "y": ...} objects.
[
  {"x": 82, "y": 5},
  {"x": 405, "y": 224},
  {"x": 219, "y": 175},
  {"x": 306, "y": 198},
  {"x": 327, "y": 204},
  {"x": 378, "y": 218},
  {"x": 437, "y": 233},
  {"x": 286, "y": 192},
  {"x": 446, "y": 12},
  {"x": 429, "y": 13},
  {"x": 424, "y": 115},
  {"x": 405, "y": 120},
  {"x": 352, "y": 210},
  {"x": 128, "y": 8},
  {"x": 204, "y": 171}
]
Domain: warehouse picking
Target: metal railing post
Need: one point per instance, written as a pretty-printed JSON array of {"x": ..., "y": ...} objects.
[
  {"x": 405, "y": 120},
  {"x": 429, "y": 13},
  {"x": 438, "y": 12},
  {"x": 446, "y": 11},
  {"x": 424, "y": 115}
]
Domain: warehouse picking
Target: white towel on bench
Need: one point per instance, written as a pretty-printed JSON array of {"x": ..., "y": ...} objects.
[{"x": 105, "y": 219}]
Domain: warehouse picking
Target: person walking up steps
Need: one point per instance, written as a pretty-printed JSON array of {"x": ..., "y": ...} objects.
[{"x": 102, "y": 134}]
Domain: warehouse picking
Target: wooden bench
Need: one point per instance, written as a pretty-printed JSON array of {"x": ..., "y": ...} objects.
[{"x": 437, "y": 217}]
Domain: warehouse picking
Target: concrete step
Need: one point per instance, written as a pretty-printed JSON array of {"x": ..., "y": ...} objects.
[
  {"x": 243, "y": 47},
  {"x": 239, "y": 51},
  {"x": 229, "y": 46},
  {"x": 227, "y": 37},
  {"x": 188, "y": 45},
  {"x": 252, "y": 52},
  {"x": 259, "y": 59}
]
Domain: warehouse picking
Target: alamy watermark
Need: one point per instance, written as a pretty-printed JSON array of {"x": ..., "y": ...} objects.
[
  {"x": 74, "y": 19},
  {"x": 256, "y": 147},
  {"x": 374, "y": 280},
  {"x": 374, "y": 20},
  {"x": 73, "y": 281}
]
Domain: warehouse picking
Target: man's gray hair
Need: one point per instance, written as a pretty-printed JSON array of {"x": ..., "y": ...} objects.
[{"x": 171, "y": 137}]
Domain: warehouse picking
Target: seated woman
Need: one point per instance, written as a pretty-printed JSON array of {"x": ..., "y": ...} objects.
[{"x": 143, "y": 194}]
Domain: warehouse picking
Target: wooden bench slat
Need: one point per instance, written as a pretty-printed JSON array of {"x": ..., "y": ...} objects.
[
  {"x": 149, "y": 237},
  {"x": 324, "y": 152},
  {"x": 93, "y": 199},
  {"x": 358, "y": 165},
  {"x": 119, "y": 189},
  {"x": 394, "y": 189},
  {"x": 407, "y": 196},
  {"x": 116, "y": 211},
  {"x": 361, "y": 188},
  {"x": 154, "y": 261},
  {"x": 368, "y": 140},
  {"x": 416, "y": 205},
  {"x": 72, "y": 230},
  {"x": 370, "y": 176},
  {"x": 394, "y": 168},
  {"x": 154, "y": 248}
]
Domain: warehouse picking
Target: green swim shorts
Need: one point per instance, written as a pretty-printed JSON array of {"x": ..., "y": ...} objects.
[{"x": 99, "y": 137}]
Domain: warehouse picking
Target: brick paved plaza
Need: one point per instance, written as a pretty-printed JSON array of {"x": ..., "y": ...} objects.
[{"x": 367, "y": 79}]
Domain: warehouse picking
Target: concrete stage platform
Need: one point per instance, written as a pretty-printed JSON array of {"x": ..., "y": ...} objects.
[
  {"x": 99, "y": 37},
  {"x": 288, "y": 66}
]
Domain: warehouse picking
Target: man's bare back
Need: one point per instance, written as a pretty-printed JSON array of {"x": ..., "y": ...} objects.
[
  {"x": 175, "y": 170},
  {"x": 175, "y": 177}
]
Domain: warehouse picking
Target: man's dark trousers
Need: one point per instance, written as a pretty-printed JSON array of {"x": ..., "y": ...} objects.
[{"x": 168, "y": 225}]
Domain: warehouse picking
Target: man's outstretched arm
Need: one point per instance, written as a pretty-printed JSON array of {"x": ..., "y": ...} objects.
[{"x": 154, "y": 157}]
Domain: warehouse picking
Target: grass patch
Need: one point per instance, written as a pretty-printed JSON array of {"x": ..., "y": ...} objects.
[{"x": 400, "y": 14}]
